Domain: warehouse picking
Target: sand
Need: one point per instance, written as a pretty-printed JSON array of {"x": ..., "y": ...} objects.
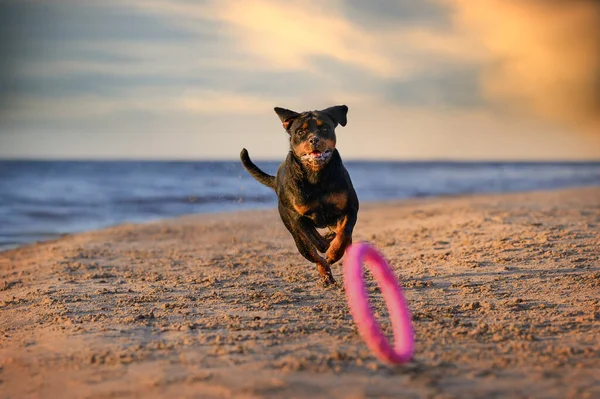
[{"x": 504, "y": 291}]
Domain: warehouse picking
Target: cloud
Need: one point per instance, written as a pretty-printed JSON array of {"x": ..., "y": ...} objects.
[
  {"x": 455, "y": 88},
  {"x": 416, "y": 74},
  {"x": 287, "y": 35},
  {"x": 65, "y": 48},
  {"x": 311, "y": 49},
  {"x": 105, "y": 54},
  {"x": 290, "y": 35},
  {"x": 544, "y": 56},
  {"x": 94, "y": 108},
  {"x": 383, "y": 14}
]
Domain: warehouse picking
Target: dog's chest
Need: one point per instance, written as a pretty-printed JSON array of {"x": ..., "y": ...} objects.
[{"x": 323, "y": 209}]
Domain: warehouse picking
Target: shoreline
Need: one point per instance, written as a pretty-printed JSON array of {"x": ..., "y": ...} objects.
[
  {"x": 503, "y": 289},
  {"x": 393, "y": 202}
]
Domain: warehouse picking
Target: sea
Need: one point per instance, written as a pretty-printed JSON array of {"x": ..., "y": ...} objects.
[{"x": 41, "y": 200}]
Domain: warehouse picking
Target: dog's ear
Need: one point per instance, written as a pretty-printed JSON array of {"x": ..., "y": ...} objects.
[
  {"x": 286, "y": 116},
  {"x": 338, "y": 113}
]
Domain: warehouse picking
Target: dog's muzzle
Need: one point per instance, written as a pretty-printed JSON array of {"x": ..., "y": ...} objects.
[{"x": 316, "y": 156}]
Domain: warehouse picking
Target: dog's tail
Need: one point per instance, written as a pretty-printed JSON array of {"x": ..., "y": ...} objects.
[{"x": 258, "y": 174}]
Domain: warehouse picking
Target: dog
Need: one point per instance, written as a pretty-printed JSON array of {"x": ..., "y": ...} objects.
[{"x": 313, "y": 187}]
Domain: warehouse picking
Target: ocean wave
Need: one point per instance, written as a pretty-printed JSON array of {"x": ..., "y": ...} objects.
[
  {"x": 193, "y": 199},
  {"x": 39, "y": 200}
]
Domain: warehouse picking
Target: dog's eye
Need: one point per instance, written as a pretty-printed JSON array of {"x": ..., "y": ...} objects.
[
  {"x": 300, "y": 132},
  {"x": 325, "y": 128}
]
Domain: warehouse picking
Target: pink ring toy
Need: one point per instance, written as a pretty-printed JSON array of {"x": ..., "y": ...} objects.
[{"x": 361, "y": 310}]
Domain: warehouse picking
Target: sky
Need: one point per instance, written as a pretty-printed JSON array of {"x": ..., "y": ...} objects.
[{"x": 184, "y": 79}]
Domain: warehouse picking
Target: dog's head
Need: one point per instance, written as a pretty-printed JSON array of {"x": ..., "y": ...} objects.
[{"x": 312, "y": 133}]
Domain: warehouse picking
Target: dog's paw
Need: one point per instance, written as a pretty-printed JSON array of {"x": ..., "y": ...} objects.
[
  {"x": 334, "y": 253},
  {"x": 328, "y": 281},
  {"x": 337, "y": 248}
]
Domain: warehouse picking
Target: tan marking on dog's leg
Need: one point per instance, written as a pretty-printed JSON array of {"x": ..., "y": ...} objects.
[{"x": 339, "y": 243}]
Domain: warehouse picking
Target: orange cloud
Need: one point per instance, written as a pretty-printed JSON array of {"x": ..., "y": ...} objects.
[
  {"x": 288, "y": 35},
  {"x": 545, "y": 55}
]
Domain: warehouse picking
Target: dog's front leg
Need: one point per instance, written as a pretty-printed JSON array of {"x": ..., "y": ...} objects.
[
  {"x": 308, "y": 250},
  {"x": 306, "y": 247},
  {"x": 307, "y": 226},
  {"x": 343, "y": 238}
]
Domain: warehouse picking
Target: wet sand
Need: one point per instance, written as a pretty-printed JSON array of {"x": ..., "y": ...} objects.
[{"x": 504, "y": 291}]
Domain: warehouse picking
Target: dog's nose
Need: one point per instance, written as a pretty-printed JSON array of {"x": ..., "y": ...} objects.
[{"x": 313, "y": 140}]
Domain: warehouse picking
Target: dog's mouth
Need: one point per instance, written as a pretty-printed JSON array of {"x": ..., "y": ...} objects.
[{"x": 317, "y": 156}]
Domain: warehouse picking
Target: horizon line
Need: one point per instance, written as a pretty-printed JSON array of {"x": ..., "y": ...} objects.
[{"x": 351, "y": 159}]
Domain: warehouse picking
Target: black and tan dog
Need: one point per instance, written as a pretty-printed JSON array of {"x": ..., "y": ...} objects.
[{"x": 313, "y": 186}]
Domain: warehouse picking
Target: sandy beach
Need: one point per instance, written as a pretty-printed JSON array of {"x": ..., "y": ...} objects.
[{"x": 504, "y": 292}]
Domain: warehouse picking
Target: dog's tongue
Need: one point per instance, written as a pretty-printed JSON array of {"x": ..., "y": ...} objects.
[{"x": 316, "y": 153}]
